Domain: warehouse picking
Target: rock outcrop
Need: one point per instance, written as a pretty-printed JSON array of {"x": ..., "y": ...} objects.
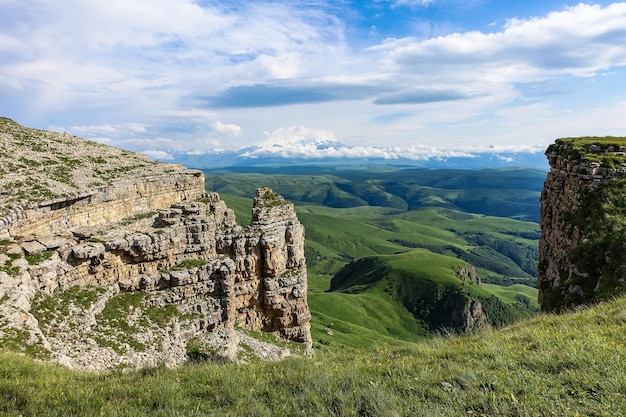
[
  {"x": 145, "y": 269},
  {"x": 582, "y": 253}
]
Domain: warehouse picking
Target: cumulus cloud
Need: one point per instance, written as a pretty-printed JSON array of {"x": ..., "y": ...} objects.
[
  {"x": 287, "y": 65},
  {"x": 416, "y": 153},
  {"x": 159, "y": 155},
  {"x": 579, "y": 41},
  {"x": 297, "y": 136},
  {"x": 227, "y": 129}
]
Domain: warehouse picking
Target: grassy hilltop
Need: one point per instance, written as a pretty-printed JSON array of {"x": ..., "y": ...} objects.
[{"x": 40, "y": 165}]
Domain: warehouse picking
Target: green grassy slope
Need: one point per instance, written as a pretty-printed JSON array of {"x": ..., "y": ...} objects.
[
  {"x": 566, "y": 365},
  {"x": 427, "y": 285}
]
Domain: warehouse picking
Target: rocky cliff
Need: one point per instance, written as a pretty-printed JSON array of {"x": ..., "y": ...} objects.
[
  {"x": 582, "y": 251},
  {"x": 109, "y": 259}
]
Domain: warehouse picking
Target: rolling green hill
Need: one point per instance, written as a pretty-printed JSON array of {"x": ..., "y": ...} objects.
[
  {"x": 504, "y": 250},
  {"x": 412, "y": 221},
  {"x": 512, "y": 193},
  {"x": 432, "y": 289}
]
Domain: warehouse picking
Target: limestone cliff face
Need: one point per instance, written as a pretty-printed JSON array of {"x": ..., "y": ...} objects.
[
  {"x": 135, "y": 272},
  {"x": 583, "y": 213}
]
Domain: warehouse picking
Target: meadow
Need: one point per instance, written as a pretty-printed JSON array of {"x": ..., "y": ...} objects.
[{"x": 561, "y": 365}]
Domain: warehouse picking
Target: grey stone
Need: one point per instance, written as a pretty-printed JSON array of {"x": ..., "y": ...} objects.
[
  {"x": 33, "y": 247},
  {"x": 52, "y": 242}
]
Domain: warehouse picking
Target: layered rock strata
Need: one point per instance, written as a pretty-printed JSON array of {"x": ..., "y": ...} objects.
[
  {"x": 583, "y": 211},
  {"x": 140, "y": 271}
]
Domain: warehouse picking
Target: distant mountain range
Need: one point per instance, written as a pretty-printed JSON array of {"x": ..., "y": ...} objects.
[{"x": 320, "y": 151}]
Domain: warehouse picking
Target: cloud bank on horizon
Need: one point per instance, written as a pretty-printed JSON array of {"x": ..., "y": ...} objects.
[{"x": 386, "y": 77}]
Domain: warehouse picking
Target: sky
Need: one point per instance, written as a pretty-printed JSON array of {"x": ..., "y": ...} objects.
[{"x": 409, "y": 76}]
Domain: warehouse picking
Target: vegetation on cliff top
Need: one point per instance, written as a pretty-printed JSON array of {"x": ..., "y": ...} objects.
[
  {"x": 39, "y": 165},
  {"x": 566, "y": 365},
  {"x": 608, "y": 151},
  {"x": 585, "y": 141}
]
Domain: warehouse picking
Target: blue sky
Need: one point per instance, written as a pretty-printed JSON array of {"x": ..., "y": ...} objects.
[{"x": 412, "y": 77}]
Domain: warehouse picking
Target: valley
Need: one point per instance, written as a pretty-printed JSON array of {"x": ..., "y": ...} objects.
[{"x": 409, "y": 222}]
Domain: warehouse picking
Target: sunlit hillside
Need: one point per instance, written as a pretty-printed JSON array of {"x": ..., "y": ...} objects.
[{"x": 562, "y": 365}]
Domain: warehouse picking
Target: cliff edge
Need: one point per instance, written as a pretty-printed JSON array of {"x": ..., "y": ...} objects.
[
  {"x": 582, "y": 250},
  {"x": 108, "y": 259}
]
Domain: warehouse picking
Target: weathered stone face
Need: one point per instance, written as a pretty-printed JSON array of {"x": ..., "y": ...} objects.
[
  {"x": 582, "y": 218},
  {"x": 191, "y": 255},
  {"x": 164, "y": 238}
]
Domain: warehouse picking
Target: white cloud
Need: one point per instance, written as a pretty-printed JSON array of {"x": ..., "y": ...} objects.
[
  {"x": 94, "y": 130},
  {"x": 306, "y": 143},
  {"x": 579, "y": 41},
  {"x": 296, "y": 136},
  {"x": 227, "y": 129},
  {"x": 160, "y": 155},
  {"x": 146, "y": 53},
  {"x": 283, "y": 66}
]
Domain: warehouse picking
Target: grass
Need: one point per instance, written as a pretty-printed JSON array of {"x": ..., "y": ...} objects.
[
  {"x": 426, "y": 285},
  {"x": 189, "y": 264},
  {"x": 344, "y": 319},
  {"x": 512, "y": 293},
  {"x": 595, "y": 140},
  {"x": 115, "y": 330},
  {"x": 39, "y": 257},
  {"x": 47, "y": 308},
  {"x": 593, "y": 149},
  {"x": 567, "y": 365},
  {"x": 140, "y": 216}
]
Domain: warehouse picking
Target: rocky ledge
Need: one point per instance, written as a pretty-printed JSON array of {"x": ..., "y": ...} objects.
[{"x": 145, "y": 270}]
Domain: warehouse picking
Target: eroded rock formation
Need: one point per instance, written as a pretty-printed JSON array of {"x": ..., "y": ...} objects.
[
  {"x": 135, "y": 272},
  {"x": 582, "y": 253}
]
